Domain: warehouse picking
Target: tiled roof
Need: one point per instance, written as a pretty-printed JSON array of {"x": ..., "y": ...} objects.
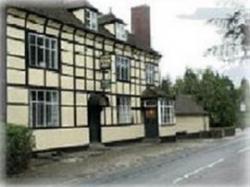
[
  {"x": 76, "y": 4},
  {"x": 186, "y": 105},
  {"x": 63, "y": 14},
  {"x": 109, "y": 18}
]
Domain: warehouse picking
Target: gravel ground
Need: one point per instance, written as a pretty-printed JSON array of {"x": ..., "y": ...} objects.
[{"x": 93, "y": 163}]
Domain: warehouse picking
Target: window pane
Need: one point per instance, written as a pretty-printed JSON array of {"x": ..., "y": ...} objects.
[
  {"x": 40, "y": 113},
  {"x": 55, "y": 115},
  {"x": 54, "y": 97},
  {"x": 53, "y": 44},
  {"x": 33, "y": 95},
  {"x": 48, "y": 114},
  {"x": 41, "y": 57},
  {"x": 47, "y": 43},
  {"x": 53, "y": 60},
  {"x": 40, "y": 96},
  {"x": 48, "y": 96},
  {"x": 47, "y": 56},
  {"x": 40, "y": 41},
  {"x": 32, "y": 55},
  {"x": 32, "y": 39},
  {"x": 33, "y": 114}
]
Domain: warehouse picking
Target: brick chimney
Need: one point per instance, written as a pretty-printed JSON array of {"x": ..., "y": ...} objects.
[{"x": 140, "y": 22}]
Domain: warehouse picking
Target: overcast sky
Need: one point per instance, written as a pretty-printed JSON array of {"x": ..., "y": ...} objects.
[
  {"x": 181, "y": 41},
  {"x": 179, "y": 32}
]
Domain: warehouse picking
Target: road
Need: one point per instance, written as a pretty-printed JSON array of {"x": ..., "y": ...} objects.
[{"x": 222, "y": 163}]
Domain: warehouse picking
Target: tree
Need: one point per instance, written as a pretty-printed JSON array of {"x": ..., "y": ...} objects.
[
  {"x": 214, "y": 92},
  {"x": 235, "y": 34},
  {"x": 188, "y": 85},
  {"x": 178, "y": 86},
  {"x": 191, "y": 82},
  {"x": 166, "y": 86}
]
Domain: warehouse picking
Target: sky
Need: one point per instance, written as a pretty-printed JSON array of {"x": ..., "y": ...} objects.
[
  {"x": 179, "y": 31},
  {"x": 178, "y": 35}
]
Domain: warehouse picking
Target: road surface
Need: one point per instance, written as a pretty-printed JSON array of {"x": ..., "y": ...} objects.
[{"x": 222, "y": 163}]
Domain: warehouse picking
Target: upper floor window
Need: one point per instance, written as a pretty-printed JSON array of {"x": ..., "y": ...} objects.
[
  {"x": 91, "y": 20},
  {"x": 121, "y": 33},
  {"x": 166, "y": 112},
  {"x": 44, "y": 108},
  {"x": 124, "y": 109},
  {"x": 122, "y": 68},
  {"x": 43, "y": 51},
  {"x": 150, "y": 73}
]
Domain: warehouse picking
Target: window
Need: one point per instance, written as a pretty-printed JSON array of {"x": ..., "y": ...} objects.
[
  {"x": 150, "y": 73},
  {"x": 124, "y": 109},
  {"x": 122, "y": 68},
  {"x": 166, "y": 112},
  {"x": 44, "y": 109},
  {"x": 43, "y": 51},
  {"x": 91, "y": 20},
  {"x": 121, "y": 32}
]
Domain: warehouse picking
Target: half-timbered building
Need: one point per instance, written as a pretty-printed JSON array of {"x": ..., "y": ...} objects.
[{"x": 75, "y": 75}]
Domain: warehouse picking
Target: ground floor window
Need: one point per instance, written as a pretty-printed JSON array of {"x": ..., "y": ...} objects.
[
  {"x": 123, "y": 109},
  {"x": 166, "y": 112},
  {"x": 44, "y": 108}
]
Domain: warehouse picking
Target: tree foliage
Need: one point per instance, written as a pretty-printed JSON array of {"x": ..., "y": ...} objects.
[
  {"x": 18, "y": 148},
  {"x": 216, "y": 93},
  {"x": 235, "y": 35},
  {"x": 167, "y": 86}
]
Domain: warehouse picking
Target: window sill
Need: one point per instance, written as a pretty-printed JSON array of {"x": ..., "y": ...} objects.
[
  {"x": 150, "y": 84},
  {"x": 40, "y": 128},
  {"x": 124, "y": 124},
  {"x": 124, "y": 81},
  {"x": 167, "y": 125},
  {"x": 44, "y": 68}
]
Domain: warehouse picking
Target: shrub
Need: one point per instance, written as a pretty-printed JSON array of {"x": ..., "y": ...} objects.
[{"x": 18, "y": 148}]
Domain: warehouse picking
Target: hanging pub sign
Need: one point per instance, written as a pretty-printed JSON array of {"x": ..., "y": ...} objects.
[
  {"x": 105, "y": 84},
  {"x": 105, "y": 61}
]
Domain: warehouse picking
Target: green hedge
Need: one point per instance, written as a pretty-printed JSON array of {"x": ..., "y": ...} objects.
[{"x": 18, "y": 148}]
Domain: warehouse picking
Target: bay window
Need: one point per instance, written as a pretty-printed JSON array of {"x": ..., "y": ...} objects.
[{"x": 166, "y": 112}]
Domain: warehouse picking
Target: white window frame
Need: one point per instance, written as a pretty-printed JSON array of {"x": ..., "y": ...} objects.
[
  {"x": 122, "y": 68},
  {"x": 166, "y": 112},
  {"x": 121, "y": 32},
  {"x": 50, "y": 49},
  {"x": 124, "y": 110},
  {"x": 91, "y": 20},
  {"x": 150, "y": 73},
  {"x": 44, "y": 105}
]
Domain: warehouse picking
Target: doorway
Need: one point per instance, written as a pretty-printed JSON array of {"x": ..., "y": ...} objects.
[
  {"x": 151, "y": 122},
  {"x": 96, "y": 103},
  {"x": 94, "y": 120}
]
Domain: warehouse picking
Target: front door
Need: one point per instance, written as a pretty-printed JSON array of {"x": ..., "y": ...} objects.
[
  {"x": 151, "y": 122},
  {"x": 94, "y": 121}
]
